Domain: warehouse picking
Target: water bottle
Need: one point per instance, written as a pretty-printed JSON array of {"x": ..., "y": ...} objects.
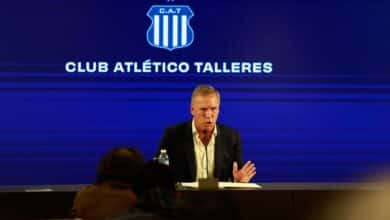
[{"x": 163, "y": 157}]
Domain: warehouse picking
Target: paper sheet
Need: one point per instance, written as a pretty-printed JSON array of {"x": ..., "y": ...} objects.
[{"x": 222, "y": 185}]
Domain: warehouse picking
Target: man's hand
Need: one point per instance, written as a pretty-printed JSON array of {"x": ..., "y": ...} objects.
[{"x": 245, "y": 174}]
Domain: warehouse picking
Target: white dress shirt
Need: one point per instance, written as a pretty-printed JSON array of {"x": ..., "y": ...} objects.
[{"x": 200, "y": 154}]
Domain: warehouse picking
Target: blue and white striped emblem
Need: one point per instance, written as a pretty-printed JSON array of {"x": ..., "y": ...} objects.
[{"x": 170, "y": 28}]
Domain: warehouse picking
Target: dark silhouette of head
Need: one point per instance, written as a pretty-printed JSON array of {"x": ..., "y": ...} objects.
[{"x": 121, "y": 164}]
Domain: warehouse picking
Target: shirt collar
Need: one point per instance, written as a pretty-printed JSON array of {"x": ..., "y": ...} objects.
[{"x": 195, "y": 132}]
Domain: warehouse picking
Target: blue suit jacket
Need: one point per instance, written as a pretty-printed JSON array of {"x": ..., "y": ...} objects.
[{"x": 179, "y": 143}]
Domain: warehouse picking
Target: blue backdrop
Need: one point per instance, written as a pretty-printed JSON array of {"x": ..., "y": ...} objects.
[{"x": 321, "y": 115}]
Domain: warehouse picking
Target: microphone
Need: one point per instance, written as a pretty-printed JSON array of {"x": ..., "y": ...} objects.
[{"x": 207, "y": 158}]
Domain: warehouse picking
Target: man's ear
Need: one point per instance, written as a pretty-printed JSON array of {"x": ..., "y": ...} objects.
[{"x": 192, "y": 110}]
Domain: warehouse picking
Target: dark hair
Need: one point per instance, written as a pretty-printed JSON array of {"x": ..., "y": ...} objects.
[{"x": 122, "y": 164}]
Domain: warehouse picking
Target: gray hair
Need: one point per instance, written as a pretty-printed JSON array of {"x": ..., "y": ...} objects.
[{"x": 205, "y": 89}]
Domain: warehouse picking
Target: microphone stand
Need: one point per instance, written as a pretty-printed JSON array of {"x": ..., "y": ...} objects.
[{"x": 207, "y": 158}]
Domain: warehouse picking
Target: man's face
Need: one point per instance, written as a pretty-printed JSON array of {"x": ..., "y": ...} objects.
[{"x": 205, "y": 110}]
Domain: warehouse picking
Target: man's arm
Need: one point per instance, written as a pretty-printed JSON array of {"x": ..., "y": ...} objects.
[
  {"x": 163, "y": 143},
  {"x": 242, "y": 173},
  {"x": 238, "y": 149}
]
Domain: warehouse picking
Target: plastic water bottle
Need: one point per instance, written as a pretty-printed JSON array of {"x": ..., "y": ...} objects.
[{"x": 163, "y": 157}]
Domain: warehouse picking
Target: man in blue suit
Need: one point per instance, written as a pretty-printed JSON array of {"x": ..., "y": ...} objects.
[{"x": 203, "y": 148}]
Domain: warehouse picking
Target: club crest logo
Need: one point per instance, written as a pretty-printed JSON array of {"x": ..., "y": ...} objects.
[{"x": 170, "y": 28}]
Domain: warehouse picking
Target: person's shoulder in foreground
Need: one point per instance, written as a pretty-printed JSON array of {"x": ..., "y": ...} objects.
[{"x": 113, "y": 193}]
